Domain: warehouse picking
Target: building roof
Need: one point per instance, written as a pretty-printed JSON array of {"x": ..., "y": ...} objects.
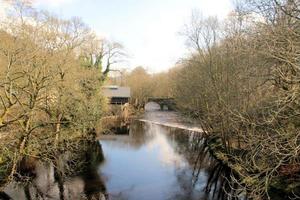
[{"x": 116, "y": 91}]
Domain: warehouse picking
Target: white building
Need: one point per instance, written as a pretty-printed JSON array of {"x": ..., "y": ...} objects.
[{"x": 117, "y": 94}]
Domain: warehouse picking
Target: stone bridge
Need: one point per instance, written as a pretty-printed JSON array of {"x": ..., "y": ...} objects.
[{"x": 164, "y": 102}]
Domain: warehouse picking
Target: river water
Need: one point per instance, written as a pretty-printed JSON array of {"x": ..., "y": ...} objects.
[
  {"x": 156, "y": 161},
  {"x": 160, "y": 159}
]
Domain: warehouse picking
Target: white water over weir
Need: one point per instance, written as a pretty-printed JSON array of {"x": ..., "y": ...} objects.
[
  {"x": 170, "y": 119},
  {"x": 174, "y": 125}
]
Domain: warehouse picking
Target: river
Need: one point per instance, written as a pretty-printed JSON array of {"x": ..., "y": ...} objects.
[
  {"x": 159, "y": 159},
  {"x": 156, "y": 161}
]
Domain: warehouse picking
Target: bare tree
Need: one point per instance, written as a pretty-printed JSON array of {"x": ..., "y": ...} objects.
[{"x": 103, "y": 55}]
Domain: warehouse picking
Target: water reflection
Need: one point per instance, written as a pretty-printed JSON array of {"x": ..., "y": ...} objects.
[
  {"x": 52, "y": 182},
  {"x": 153, "y": 162},
  {"x": 157, "y": 162}
]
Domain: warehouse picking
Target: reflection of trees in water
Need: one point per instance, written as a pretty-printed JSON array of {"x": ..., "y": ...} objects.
[
  {"x": 207, "y": 179},
  {"x": 186, "y": 190},
  {"x": 73, "y": 176},
  {"x": 123, "y": 195},
  {"x": 139, "y": 134},
  {"x": 208, "y": 174},
  {"x": 4, "y": 196}
]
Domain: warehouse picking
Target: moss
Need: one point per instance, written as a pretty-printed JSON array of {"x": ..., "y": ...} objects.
[
  {"x": 250, "y": 180},
  {"x": 285, "y": 184},
  {"x": 221, "y": 156}
]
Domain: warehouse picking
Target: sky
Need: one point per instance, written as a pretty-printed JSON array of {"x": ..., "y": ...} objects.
[{"x": 148, "y": 29}]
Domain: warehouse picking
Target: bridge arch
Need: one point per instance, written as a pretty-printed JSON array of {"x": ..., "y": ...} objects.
[
  {"x": 160, "y": 103},
  {"x": 152, "y": 106}
]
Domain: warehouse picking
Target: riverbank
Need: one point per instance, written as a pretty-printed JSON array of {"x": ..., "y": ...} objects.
[{"x": 281, "y": 187}]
